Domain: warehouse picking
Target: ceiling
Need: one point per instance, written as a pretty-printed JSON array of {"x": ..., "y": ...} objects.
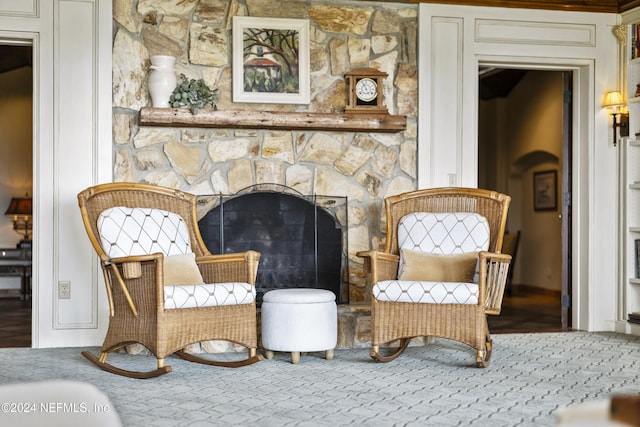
[
  {"x": 605, "y": 6},
  {"x": 497, "y": 82},
  {"x": 14, "y": 57}
]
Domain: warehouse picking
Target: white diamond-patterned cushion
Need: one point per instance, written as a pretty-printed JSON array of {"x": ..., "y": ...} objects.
[
  {"x": 128, "y": 231},
  {"x": 437, "y": 233},
  {"x": 444, "y": 233},
  {"x": 426, "y": 292},
  {"x": 208, "y": 295}
]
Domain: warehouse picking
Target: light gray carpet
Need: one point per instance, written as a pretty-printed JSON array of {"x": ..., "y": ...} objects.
[{"x": 530, "y": 376}]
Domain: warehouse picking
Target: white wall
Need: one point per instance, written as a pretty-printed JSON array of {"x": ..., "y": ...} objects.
[
  {"x": 454, "y": 41},
  {"x": 537, "y": 127},
  {"x": 540, "y": 239}
]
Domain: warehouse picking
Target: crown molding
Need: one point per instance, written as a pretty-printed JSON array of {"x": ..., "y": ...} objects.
[{"x": 602, "y": 6}]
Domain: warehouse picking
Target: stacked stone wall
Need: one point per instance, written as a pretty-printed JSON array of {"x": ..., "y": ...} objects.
[{"x": 366, "y": 167}]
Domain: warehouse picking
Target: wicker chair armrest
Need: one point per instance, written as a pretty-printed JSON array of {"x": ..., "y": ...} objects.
[
  {"x": 121, "y": 271},
  {"x": 133, "y": 258},
  {"x": 494, "y": 268},
  {"x": 380, "y": 265},
  {"x": 235, "y": 267},
  {"x": 131, "y": 266}
]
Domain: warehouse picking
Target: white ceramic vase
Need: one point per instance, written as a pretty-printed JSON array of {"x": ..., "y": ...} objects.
[{"x": 162, "y": 80}]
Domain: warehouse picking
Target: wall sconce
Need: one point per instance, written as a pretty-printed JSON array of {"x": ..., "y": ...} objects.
[
  {"x": 21, "y": 211},
  {"x": 613, "y": 100}
]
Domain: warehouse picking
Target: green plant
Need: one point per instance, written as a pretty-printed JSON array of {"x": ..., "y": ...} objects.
[{"x": 194, "y": 94}]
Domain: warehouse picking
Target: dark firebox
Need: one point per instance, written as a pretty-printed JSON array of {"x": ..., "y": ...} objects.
[{"x": 299, "y": 237}]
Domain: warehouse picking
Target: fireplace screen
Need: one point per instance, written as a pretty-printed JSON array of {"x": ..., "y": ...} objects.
[{"x": 302, "y": 239}]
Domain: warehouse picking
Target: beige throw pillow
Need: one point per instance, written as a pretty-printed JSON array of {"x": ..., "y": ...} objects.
[
  {"x": 181, "y": 270},
  {"x": 421, "y": 266}
]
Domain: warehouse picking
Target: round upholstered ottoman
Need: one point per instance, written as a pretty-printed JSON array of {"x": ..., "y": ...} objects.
[{"x": 299, "y": 320}]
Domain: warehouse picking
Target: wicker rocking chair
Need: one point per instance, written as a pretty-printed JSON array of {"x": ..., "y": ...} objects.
[
  {"x": 165, "y": 290},
  {"x": 441, "y": 270}
]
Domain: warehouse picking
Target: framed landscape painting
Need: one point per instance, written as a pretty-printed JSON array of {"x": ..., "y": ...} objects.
[
  {"x": 545, "y": 186},
  {"x": 270, "y": 60}
]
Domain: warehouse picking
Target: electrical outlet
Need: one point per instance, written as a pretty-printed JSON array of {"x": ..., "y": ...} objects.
[{"x": 64, "y": 290}]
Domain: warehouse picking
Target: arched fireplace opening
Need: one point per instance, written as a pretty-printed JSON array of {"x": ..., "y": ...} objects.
[{"x": 302, "y": 239}]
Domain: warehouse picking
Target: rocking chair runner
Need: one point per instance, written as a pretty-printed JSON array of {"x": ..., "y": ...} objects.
[
  {"x": 461, "y": 229},
  {"x": 147, "y": 236}
]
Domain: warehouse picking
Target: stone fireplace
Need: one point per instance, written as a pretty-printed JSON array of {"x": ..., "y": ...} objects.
[
  {"x": 303, "y": 239},
  {"x": 360, "y": 163}
]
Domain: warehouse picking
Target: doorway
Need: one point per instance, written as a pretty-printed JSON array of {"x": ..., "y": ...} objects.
[
  {"x": 16, "y": 181},
  {"x": 524, "y": 125}
]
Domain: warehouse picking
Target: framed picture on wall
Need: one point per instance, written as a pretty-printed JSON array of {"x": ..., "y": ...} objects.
[
  {"x": 545, "y": 190},
  {"x": 271, "y": 60},
  {"x": 637, "y": 250}
]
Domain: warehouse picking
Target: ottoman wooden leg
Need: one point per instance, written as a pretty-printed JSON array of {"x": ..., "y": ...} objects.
[
  {"x": 328, "y": 354},
  {"x": 295, "y": 357},
  {"x": 268, "y": 354}
]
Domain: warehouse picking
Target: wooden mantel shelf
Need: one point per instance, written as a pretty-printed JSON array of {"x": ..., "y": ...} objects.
[{"x": 182, "y": 117}]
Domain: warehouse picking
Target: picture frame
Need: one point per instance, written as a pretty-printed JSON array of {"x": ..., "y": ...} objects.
[
  {"x": 545, "y": 190},
  {"x": 636, "y": 244},
  {"x": 271, "y": 60}
]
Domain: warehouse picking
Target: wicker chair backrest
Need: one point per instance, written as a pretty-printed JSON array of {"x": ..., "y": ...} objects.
[{"x": 490, "y": 204}]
